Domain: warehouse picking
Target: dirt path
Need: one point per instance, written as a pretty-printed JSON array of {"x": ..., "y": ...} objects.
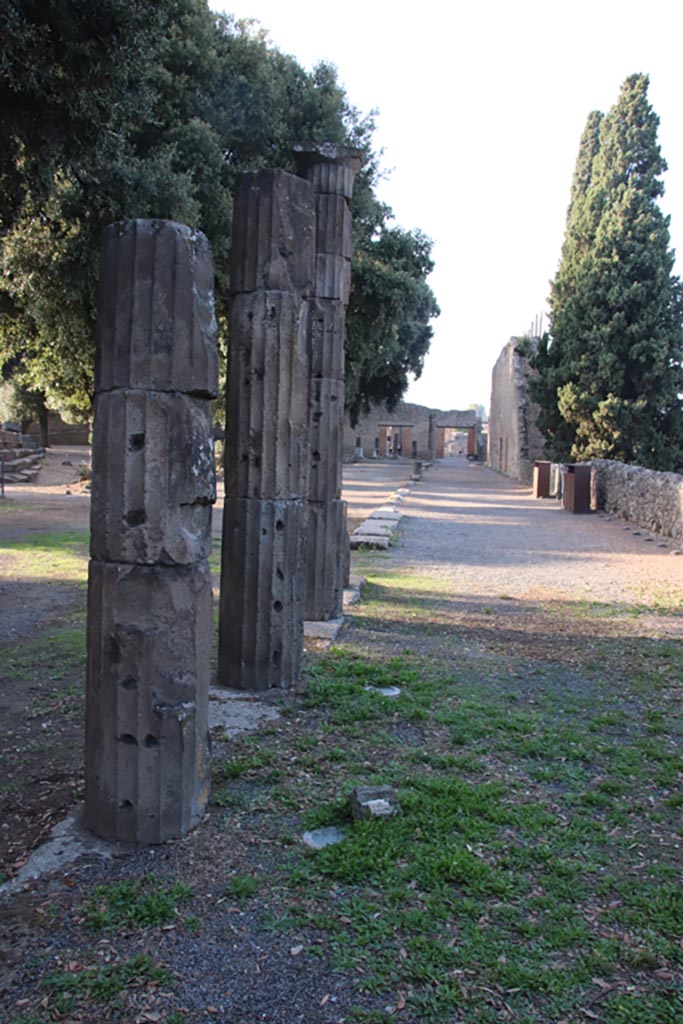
[{"x": 476, "y": 530}]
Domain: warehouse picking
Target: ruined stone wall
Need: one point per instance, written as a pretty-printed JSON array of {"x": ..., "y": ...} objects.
[
  {"x": 643, "y": 496},
  {"x": 514, "y": 439},
  {"x": 405, "y": 412}
]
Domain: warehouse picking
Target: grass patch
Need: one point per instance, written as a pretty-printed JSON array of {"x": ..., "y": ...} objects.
[
  {"x": 49, "y": 556},
  {"x": 68, "y": 991},
  {"x": 134, "y": 903}
]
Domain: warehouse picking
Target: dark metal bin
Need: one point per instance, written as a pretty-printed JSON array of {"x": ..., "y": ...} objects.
[
  {"x": 541, "y": 479},
  {"x": 577, "y": 488}
]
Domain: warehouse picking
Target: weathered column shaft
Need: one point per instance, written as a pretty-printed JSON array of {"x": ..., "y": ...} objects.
[
  {"x": 431, "y": 437},
  {"x": 331, "y": 171},
  {"x": 149, "y": 588},
  {"x": 266, "y": 447}
]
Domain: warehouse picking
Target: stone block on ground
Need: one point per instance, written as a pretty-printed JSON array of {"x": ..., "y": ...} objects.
[
  {"x": 369, "y": 541},
  {"x": 156, "y": 327},
  {"x": 373, "y": 802},
  {"x": 153, "y": 478},
  {"x": 149, "y": 654}
]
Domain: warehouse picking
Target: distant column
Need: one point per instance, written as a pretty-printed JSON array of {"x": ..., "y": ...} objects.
[
  {"x": 431, "y": 437},
  {"x": 440, "y": 442},
  {"x": 266, "y": 444},
  {"x": 149, "y": 587},
  {"x": 331, "y": 171}
]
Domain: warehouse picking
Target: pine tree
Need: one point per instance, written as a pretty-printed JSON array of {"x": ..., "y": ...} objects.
[{"x": 617, "y": 334}]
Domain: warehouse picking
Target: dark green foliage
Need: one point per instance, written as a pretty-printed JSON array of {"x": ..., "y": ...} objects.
[
  {"x": 117, "y": 110},
  {"x": 609, "y": 381},
  {"x": 388, "y": 323}
]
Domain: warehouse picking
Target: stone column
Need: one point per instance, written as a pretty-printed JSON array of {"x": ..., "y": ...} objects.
[
  {"x": 431, "y": 437},
  {"x": 149, "y": 587},
  {"x": 440, "y": 442},
  {"x": 382, "y": 443},
  {"x": 331, "y": 171},
  {"x": 266, "y": 444},
  {"x": 406, "y": 441}
]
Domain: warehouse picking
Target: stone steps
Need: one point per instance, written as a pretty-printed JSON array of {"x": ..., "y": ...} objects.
[{"x": 21, "y": 465}]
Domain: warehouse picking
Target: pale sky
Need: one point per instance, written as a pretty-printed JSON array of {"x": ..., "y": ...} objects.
[{"x": 480, "y": 110}]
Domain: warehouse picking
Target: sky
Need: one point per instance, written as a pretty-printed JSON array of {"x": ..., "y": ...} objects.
[{"x": 480, "y": 109}]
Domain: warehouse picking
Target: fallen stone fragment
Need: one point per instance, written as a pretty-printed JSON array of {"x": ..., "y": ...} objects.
[
  {"x": 314, "y": 629},
  {"x": 319, "y": 838},
  {"x": 373, "y": 802},
  {"x": 378, "y": 527},
  {"x": 390, "y": 514},
  {"x": 369, "y": 541},
  {"x": 385, "y": 691}
]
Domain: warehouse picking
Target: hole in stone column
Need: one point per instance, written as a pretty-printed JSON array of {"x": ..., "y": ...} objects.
[
  {"x": 244, "y": 457},
  {"x": 125, "y": 805},
  {"x": 333, "y": 398},
  {"x": 277, "y": 605},
  {"x": 136, "y": 517},
  {"x": 257, "y": 461},
  {"x": 129, "y": 683},
  {"x": 150, "y": 741},
  {"x": 279, "y": 573},
  {"x": 279, "y": 526},
  {"x": 126, "y": 737},
  {"x": 315, "y": 456},
  {"x": 136, "y": 442},
  {"x": 276, "y": 658},
  {"x": 317, "y": 416},
  {"x": 112, "y": 649},
  {"x": 264, "y": 532}
]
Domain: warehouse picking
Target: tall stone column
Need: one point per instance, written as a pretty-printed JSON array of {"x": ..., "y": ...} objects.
[
  {"x": 431, "y": 437},
  {"x": 331, "y": 171},
  {"x": 149, "y": 586},
  {"x": 266, "y": 445}
]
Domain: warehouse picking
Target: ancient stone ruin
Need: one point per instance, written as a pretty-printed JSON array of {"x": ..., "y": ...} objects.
[
  {"x": 331, "y": 171},
  {"x": 290, "y": 275},
  {"x": 149, "y": 588},
  {"x": 266, "y": 447},
  {"x": 515, "y": 441}
]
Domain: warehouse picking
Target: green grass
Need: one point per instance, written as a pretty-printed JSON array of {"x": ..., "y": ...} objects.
[
  {"x": 51, "y": 557},
  {"x": 537, "y": 843},
  {"x": 134, "y": 903},
  {"x": 68, "y": 991}
]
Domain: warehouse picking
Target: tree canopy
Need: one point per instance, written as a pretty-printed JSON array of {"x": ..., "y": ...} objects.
[
  {"x": 609, "y": 378},
  {"x": 117, "y": 110}
]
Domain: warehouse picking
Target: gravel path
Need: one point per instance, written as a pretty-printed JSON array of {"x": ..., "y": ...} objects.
[{"x": 478, "y": 531}]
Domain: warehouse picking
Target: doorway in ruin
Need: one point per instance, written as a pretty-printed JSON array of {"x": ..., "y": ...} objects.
[{"x": 395, "y": 439}]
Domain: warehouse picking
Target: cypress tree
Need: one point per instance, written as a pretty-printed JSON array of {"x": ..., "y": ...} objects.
[{"x": 615, "y": 305}]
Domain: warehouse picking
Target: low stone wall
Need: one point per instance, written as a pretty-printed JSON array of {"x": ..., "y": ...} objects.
[{"x": 643, "y": 496}]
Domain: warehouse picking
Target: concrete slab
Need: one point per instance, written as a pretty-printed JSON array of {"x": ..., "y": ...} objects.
[
  {"x": 369, "y": 541},
  {"x": 323, "y": 630}
]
